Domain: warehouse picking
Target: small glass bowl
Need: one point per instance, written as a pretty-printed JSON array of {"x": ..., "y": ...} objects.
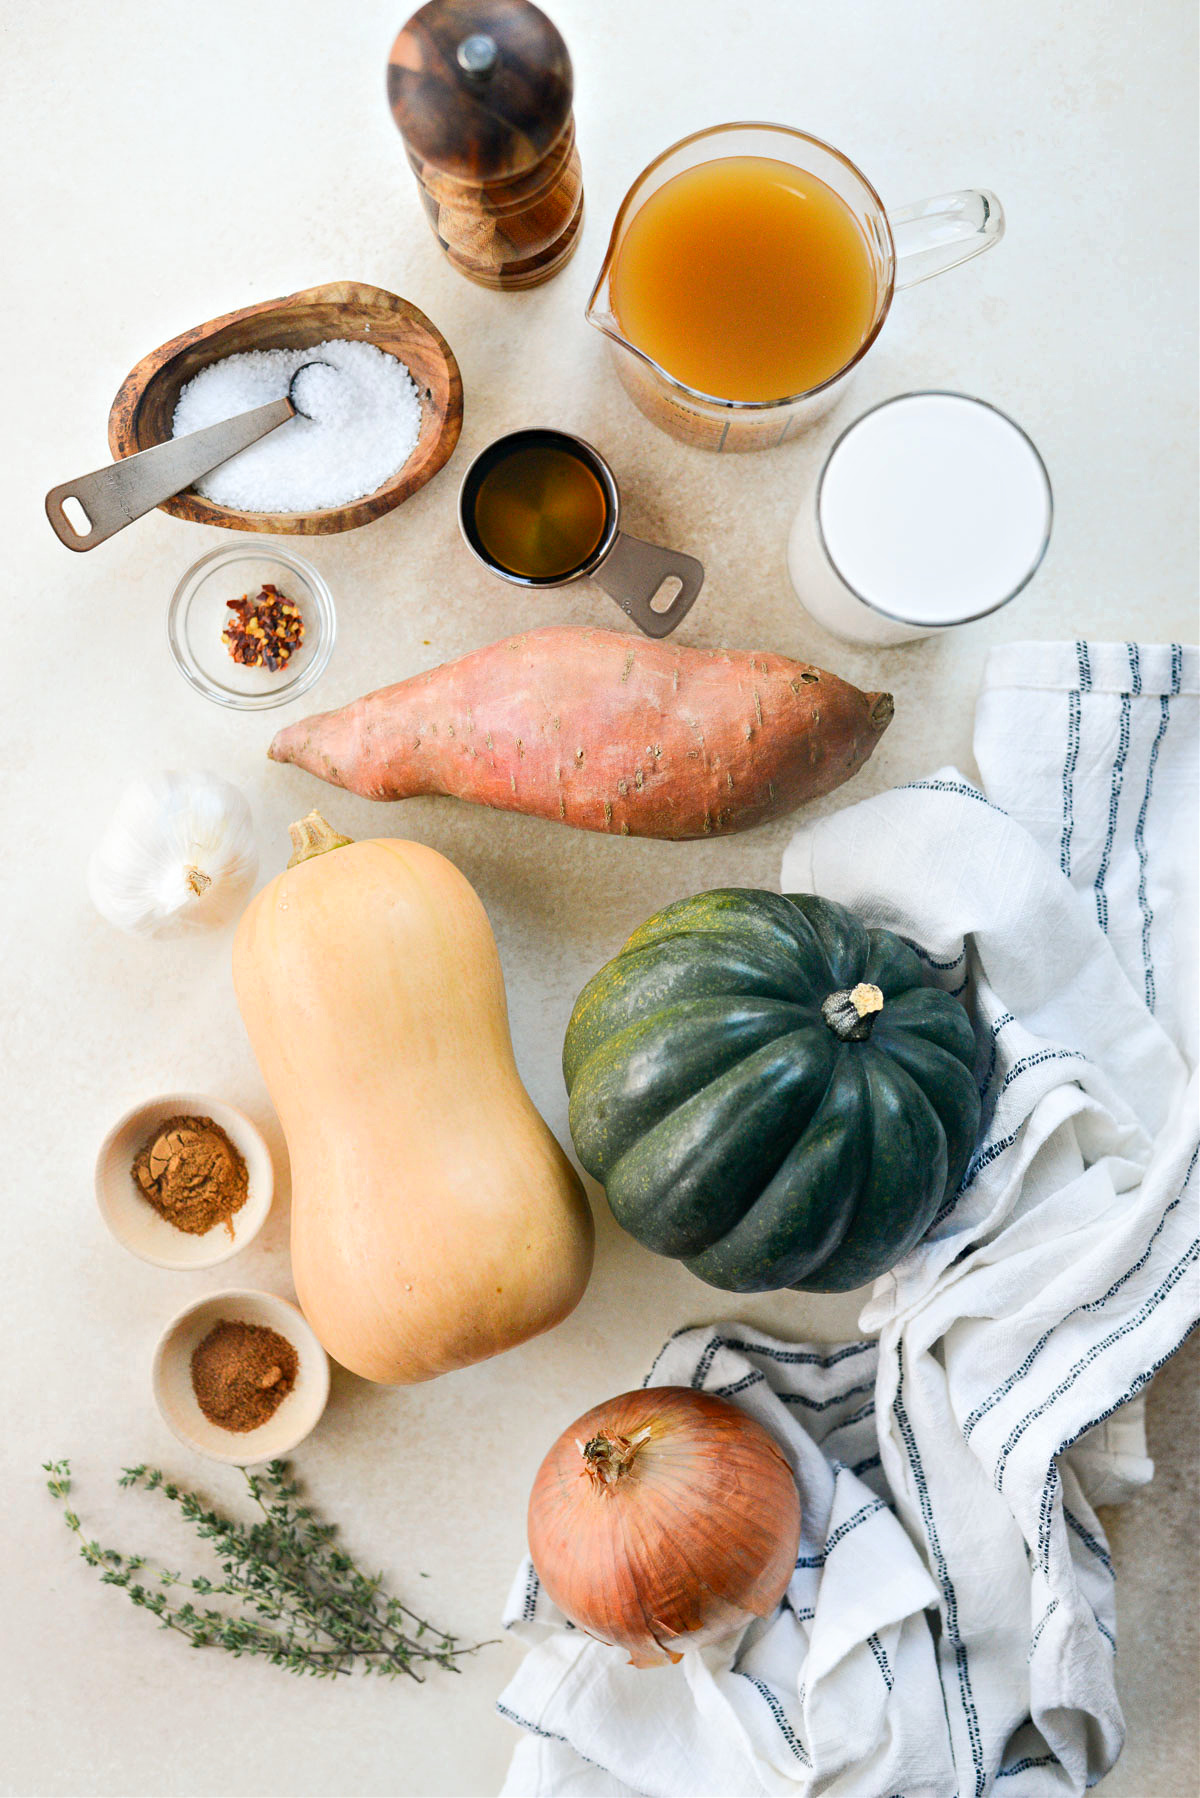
[{"x": 199, "y": 613}]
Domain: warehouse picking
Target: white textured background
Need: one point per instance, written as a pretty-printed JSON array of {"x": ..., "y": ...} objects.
[{"x": 162, "y": 164}]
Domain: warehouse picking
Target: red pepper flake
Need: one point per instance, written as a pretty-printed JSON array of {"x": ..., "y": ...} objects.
[{"x": 265, "y": 631}]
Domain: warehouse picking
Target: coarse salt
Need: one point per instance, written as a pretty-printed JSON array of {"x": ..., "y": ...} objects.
[{"x": 365, "y": 418}]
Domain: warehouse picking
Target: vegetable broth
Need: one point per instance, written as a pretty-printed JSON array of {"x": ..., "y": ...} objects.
[{"x": 746, "y": 278}]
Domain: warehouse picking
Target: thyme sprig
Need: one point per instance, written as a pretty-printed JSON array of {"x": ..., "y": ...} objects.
[{"x": 297, "y": 1599}]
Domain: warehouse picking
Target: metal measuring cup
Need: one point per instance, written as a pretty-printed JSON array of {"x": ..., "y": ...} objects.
[{"x": 632, "y": 572}]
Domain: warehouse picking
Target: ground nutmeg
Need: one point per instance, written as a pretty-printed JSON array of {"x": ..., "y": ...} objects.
[{"x": 241, "y": 1374}]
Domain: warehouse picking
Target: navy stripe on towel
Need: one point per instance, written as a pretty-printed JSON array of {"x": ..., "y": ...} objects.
[
  {"x": 951, "y": 786},
  {"x": 949, "y": 1596},
  {"x": 1002, "y": 1023},
  {"x": 547, "y": 1735},
  {"x": 943, "y": 967},
  {"x": 990, "y": 1151},
  {"x": 1139, "y": 839},
  {"x": 859, "y": 1416},
  {"x": 1037, "y": 1634},
  {"x": 780, "y": 1715},
  {"x": 826, "y": 1404},
  {"x": 785, "y": 1357},
  {"x": 1036, "y": 1060},
  {"x": 1097, "y": 1349},
  {"x": 799, "y": 1357},
  {"x": 747, "y": 1380},
  {"x": 841, "y": 1532},
  {"x": 1052, "y": 1478},
  {"x": 881, "y": 1660},
  {"x": 1068, "y": 782},
  {"x": 1089, "y": 1541},
  {"x": 532, "y": 1588},
  {"x": 1006, "y": 1385},
  {"x": 1114, "y": 806}
]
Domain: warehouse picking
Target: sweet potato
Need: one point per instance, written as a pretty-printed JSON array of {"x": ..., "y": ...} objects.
[{"x": 603, "y": 731}]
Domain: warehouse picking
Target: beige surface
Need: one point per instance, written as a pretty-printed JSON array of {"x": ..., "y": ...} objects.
[{"x": 163, "y": 164}]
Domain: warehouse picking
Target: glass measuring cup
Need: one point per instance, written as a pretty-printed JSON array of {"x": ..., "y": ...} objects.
[{"x": 905, "y": 246}]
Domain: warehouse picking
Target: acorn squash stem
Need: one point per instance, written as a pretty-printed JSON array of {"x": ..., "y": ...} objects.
[
  {"x": 851, "y": 1015},
  {"x": 313, "y": 836}
]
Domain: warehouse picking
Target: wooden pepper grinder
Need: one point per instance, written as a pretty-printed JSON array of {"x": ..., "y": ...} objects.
[{"x": 481, "y": 91}]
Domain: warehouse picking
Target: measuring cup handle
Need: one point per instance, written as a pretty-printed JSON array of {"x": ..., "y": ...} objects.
[
  {"x": 633, "y": 572},
  {"x": 933, "y": 235}
]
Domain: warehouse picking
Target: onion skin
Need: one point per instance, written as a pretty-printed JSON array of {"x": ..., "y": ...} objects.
[{"x": 679, "y": 1524}]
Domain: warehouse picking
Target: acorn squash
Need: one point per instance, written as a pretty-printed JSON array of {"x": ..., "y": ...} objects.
[{"x": 769, "y": 1092}]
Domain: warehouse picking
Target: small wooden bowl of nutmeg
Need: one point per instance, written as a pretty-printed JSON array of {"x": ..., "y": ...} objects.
[{"x": 184, "y": 1180}]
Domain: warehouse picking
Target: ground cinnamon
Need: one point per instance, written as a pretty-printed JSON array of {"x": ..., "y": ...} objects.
[
  {"x": 192, "y": 1175},
  {"x": 241, "y": 1373}
]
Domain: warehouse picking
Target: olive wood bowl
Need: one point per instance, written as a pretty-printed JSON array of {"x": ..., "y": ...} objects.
[{"x": 143, "y": 409}]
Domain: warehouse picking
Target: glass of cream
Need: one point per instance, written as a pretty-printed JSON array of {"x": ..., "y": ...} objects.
[{"x": 931, "y": 510}]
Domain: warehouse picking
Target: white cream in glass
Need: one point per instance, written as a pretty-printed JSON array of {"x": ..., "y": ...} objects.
[{"x": 930, "y": 510}]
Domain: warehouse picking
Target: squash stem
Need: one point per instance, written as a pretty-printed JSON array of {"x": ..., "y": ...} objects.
[
  {"x": 851, "y": 1015},
  {"x": 313, "y": 836}
]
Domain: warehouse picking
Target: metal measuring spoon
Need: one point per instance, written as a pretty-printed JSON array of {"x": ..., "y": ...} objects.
[{"x": 113, "y": 497}]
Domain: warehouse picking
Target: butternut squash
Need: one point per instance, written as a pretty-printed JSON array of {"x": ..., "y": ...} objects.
[{"x": 435, "y": 1219}]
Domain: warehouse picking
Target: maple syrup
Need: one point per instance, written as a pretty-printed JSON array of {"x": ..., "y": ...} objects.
[{"x": 536, "y": 508}]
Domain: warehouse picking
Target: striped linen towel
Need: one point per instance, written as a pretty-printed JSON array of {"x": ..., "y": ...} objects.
[{"x": 951, "y": 1625}]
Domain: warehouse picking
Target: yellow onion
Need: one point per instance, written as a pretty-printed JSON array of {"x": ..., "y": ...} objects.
[{"x": 662, "y": 1520}]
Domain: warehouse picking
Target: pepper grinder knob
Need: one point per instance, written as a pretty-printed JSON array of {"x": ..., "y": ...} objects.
[
  {"x": 476, "y": 55},
  {"x": 481, "y": 91}
]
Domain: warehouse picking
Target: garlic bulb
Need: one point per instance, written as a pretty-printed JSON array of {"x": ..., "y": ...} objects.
[{"x": 178, "y": 851}]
